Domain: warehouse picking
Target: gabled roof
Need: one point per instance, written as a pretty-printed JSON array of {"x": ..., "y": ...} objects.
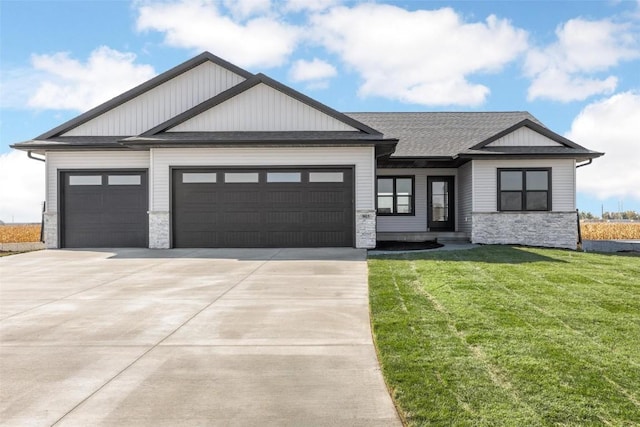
[
  {"x": 439, "y": 134},
  {"x": 248, "y": 84},
  {"x": 450, "y": 135},
  {"x": 142, "y": 88},
  {"x": 535, "y": 126}
]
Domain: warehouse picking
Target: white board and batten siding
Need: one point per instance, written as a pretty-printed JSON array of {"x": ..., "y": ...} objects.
[
  {"x": 465, "y": 197},
  {"x": 485, "y": 182},
  {"x": 524, "y": 137},
  {"x": 262, "y": 108},
  {"x": 418, "y": 221},
  {"x": 88, "y": 160},
  {"x": 161, "y": 103},
  {"x": 363, "y": 158}
]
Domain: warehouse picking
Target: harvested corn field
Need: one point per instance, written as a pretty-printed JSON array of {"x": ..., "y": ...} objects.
[
  {"x": 610, "y": 230},
  {"x": 19, "y": 233}
]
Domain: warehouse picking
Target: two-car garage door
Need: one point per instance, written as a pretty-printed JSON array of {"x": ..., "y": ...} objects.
[
  {"x": 257, "y": 207},
  {"x": 266, "y": 207}
]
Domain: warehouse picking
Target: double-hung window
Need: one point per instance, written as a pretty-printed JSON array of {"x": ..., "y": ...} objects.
[
  {"x": 524, "y": 189},
  {"x": 395, "y": 195}
]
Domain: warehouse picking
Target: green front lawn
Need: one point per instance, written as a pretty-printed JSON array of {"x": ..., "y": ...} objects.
[{"x": 509, "y": 336}]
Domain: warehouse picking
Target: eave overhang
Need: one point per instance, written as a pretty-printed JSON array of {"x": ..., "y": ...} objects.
[
  {"x": 576, "y": 156},
  {"x": 383, "y": 147},
  {"x": 462, "y": 158}
]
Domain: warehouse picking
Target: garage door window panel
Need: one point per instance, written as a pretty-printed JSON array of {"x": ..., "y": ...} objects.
[
  {"x": 326, "y": 176},
  {"x": 85, "y": 180},
  {"x": 284, "y": 177},
  {"x": 124, "y": 180},
  {"x": 241, "y": 177},
  {"x": 198, "y": 178}
]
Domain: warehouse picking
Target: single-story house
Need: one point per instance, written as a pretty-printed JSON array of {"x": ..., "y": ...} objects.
[{"x": 210, "y": 155}]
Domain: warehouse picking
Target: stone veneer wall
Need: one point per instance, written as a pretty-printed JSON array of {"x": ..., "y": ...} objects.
[
  {"x": 547, "y": 229},
  {"x": 366, "y": 229},
  {"x": 51, "y": 230},
  {"x": 159, "y": 230}
]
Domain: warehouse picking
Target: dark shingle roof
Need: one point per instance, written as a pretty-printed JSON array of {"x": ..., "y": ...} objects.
[{"x": 440, "y": 134}]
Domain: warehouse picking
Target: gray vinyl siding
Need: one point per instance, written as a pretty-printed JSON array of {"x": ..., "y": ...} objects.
[
  {"x": 362, "y": 158},
  {"x": 418, "y": 221},
  {"x": 465, "y": 197},
  {"x": 161, "y": 103},
  {"x": 524, "y": 137},
  {"x": 262, "y": 108},
  {"x": 485, "y": 186},
  {"x": 88, "y": 160}
]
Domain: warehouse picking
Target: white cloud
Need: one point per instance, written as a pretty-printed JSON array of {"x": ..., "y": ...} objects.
[
  {"x": 423, "y": 57},
  {"x": 68, "y": 84},
  {"x": 559, "y": 86},
  {"x": 17, "y": 85},
  {"x": 245, "y": 8},
  {"x": 310, "y": 5},
  {"x": 21, "y": 187},
  {"x": 566, "y": 70},
  {"x": 199, "y": 24},
  {"x": 316, "y": 71},
  {"x": 610, "y": 126}
]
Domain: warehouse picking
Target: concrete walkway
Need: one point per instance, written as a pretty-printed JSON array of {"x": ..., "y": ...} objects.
[{"x": 188, "y": 337}]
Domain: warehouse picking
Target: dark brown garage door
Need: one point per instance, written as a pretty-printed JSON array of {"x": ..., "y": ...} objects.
[
  {"x": 216, "y": 208},
  {"x": 102, "y": 209}
]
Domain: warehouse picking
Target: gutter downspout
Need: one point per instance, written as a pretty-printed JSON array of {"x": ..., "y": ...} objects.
[
  {"x": 30, "y": 155},
  {"x": 585, "y": 164},
  {"x": 44, "y": 204}
]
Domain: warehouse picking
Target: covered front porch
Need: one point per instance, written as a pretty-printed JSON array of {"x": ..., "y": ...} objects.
[{"x": 419, "y": 204}]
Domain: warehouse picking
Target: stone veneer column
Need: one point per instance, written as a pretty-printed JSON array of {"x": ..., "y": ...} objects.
[
  {"x": 366, "y": 229},
  {"x": 159, "y": 230},
  {"x": 547, "y": 229},
  {"x": 51, "y": 230}
]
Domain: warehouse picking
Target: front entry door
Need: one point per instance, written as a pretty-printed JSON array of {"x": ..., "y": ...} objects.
[{"x": 440, "y": 207}]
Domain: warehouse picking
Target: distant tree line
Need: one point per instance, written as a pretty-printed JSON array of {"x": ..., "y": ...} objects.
[{"x": 608, "y": 216}]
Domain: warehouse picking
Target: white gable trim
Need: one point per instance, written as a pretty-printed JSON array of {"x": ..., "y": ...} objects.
[
  {"x": 524, "y": 137},
  {"x": 261, "y": 108},
  {"x": 161, "y": 103}
]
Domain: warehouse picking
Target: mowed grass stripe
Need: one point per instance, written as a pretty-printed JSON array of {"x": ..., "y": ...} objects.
[
  {"x": 510, "y": 336},
  {"x": 416, "y": 346}
]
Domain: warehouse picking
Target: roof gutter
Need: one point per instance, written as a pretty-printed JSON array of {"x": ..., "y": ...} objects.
[
  {"x": 30, "y": 155},
  {"x": 585, "y": 164}
]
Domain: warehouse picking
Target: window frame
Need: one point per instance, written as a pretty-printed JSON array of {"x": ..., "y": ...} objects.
[
  {"x": 412, "y": 202},
  {"x": 524, "y": 190}
]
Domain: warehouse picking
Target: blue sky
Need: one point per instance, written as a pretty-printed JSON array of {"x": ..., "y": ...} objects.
[{"x": 575, "y": 65}]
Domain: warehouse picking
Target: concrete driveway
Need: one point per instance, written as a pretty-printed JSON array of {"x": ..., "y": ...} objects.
[{"x": 188, "y": 337}]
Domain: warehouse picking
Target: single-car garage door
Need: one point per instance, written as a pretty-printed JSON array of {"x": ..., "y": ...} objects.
[
  {"x": 102, "y": 209},
  {"x": 266, "y": 207}
]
